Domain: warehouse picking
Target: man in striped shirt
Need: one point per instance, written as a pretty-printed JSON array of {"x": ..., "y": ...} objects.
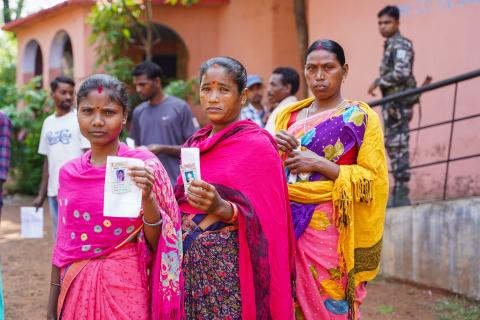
[{"x": 5, "y": 132}]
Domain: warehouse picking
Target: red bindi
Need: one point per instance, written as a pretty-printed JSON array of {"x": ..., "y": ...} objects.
[
  {"x": 100, "y": 89},
  {"x": 214, "y": 82}
]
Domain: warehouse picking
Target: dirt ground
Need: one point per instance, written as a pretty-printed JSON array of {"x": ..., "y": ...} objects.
[{"x": 26, "y": 274}]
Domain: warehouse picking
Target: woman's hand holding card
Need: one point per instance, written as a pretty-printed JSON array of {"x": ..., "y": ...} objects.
[
  {"x": 143, "y": 178},
  {"x": 204, "y": 197}
]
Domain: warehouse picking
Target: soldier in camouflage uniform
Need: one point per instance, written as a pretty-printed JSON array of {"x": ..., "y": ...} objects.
[{"x": 395, "y": 76}]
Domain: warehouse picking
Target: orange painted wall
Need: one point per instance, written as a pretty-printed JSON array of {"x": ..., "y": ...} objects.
[
  {"x": 197, "y": 27},
  {"x": 43, "y": 31},
  {"x": 259, "y": 33},
  {"x": 444, "y": 34},
  {"x": 262, "y": 35}
]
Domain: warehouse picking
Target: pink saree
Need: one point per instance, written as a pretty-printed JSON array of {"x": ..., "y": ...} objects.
[
  {"x": 242, "y": 162},
  {"x": 109, "y": 288},
  {"x": 103, "y": 274}
]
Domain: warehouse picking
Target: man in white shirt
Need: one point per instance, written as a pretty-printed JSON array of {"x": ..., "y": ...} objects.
[
  {"x": 60, "y": 142},
  {"x": 282, "y": 87}
]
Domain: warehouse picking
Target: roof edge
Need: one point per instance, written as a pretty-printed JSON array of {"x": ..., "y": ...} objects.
[{"x": 11, "y": 26}]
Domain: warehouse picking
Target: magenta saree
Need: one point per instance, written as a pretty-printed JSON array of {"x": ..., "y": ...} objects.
[
  {"x": 242, "y": 162},
  {"x": 102, "y": 269}
]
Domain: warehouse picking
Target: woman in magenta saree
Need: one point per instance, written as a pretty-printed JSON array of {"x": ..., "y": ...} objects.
[
  {"x": 107, "y": 267},
  {"x": 237, "y": 234}
]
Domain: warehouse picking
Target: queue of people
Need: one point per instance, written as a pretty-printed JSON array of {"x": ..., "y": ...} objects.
[
  {"x": 281, "y": 89},
  {"x": 286, "y": 221},
  {"x": 279, "y": 226}
]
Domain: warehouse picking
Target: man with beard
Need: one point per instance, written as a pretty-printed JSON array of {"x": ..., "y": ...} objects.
[
  {"x": 161, "y": 123},
  {"x": 60, "y": 142}
]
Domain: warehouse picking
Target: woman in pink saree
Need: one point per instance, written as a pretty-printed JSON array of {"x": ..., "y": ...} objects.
[
  {"x": 110, "y": 267},
  {"x": 237, "y": 232}
]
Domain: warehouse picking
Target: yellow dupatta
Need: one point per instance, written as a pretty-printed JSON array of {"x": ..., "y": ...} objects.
[{"x": 359, "y": 195}]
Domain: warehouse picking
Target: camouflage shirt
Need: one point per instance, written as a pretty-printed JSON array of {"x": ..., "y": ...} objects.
[{"x": 396, "y": 70}]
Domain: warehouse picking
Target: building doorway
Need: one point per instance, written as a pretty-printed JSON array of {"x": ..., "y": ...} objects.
[
  {"x": 61, "y": 56},
  {"x": 168, "y": 51},
  {"x": 32, "y": 63}
]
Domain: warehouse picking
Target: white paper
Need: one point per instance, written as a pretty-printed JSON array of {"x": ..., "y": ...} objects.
[
  {"x": 191, "y": 155},
  {"x": 190, "y": 167},
  {"x": 130, "y": 142},
  {"x": 122, "y": 197},
  {"x": 32, "y": 222},
  {"x": 292, "y": 177}
]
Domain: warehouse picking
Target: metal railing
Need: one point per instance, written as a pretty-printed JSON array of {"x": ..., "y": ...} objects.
[{"x": 433, "y": 86}]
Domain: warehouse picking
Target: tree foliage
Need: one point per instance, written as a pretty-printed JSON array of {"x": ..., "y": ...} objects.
[
  {"x": 7, "y": 69},
  {"x": 26, "y": 163},
  {"x": 186, "y": 90},
  {"x": 111, "y": 22},
  {"x": 120, "y": 24},
  {"x": 27, "y": 121},
  {"x": 9, "y": 12}
]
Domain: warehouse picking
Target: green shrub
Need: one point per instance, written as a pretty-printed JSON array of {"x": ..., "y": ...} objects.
[
  {"x": 186, "y": 90},
  {"x": 26, "y": 164}
]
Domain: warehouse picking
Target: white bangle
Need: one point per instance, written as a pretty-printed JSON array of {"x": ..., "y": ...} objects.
[{"x": 156, "y": 224}]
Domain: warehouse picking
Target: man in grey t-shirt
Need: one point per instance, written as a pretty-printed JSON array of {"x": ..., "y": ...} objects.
[{"x": 161, "y": 123}]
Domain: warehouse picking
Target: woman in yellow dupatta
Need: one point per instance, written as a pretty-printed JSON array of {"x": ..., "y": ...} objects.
[{"x": 338, "y": 187}]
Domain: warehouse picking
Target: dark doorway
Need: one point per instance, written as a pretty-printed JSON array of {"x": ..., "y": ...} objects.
[
  {"x": 168, "y": 51},
  {"x": 39, "y": 66},
  {"x": 168, "y": 63}
]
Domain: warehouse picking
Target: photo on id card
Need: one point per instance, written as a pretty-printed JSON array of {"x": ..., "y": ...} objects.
[
  {"x": 119, "y": 182},
  {"x": 189, "y": 173}
]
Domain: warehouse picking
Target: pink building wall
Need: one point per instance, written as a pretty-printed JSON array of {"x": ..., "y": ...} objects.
[
  {"x": 446, "y": 45},
  {"x": 262, "y": 35},
  {"x": 69, "y": 19}
]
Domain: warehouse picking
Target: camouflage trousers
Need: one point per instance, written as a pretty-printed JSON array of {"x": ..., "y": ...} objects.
[{"x": 396, "y": 117}]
